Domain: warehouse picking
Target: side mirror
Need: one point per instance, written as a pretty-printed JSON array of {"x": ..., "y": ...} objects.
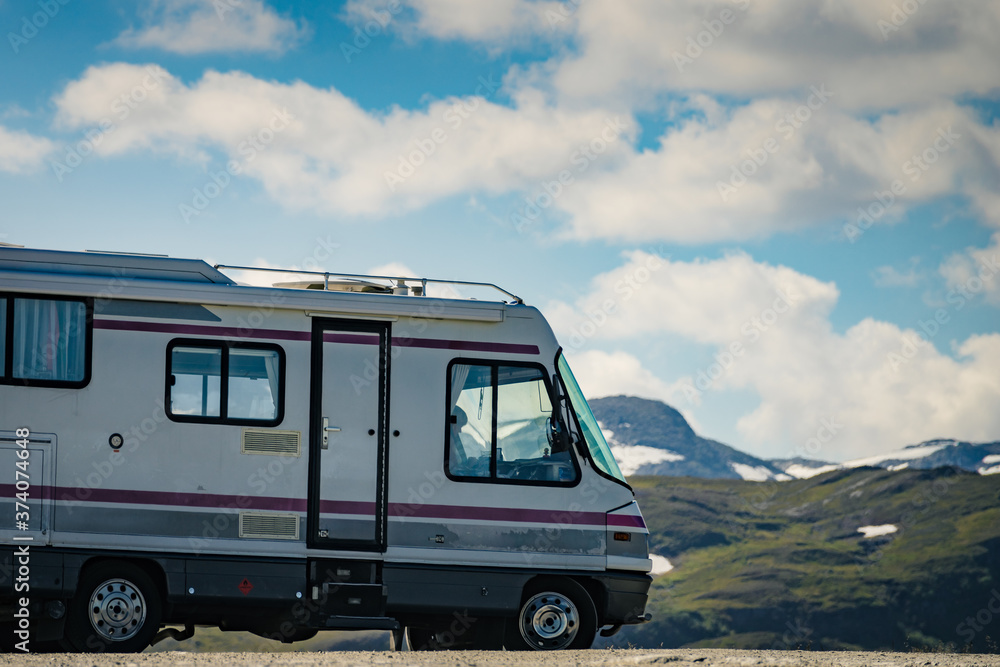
[{"x": 558, "y": 436}]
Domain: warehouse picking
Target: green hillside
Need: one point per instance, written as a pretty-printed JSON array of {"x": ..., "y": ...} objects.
[{"x": 761, "y": 565}]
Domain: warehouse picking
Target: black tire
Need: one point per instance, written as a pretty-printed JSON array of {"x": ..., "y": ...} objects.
[
  {"x": 117, "y": 609},
  {"x": 555, "y": 614}
]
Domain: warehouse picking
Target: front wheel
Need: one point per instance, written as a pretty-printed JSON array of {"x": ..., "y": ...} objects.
[
  {"x": 117, "y": 609},
  {"x": 556, "y": 614}
]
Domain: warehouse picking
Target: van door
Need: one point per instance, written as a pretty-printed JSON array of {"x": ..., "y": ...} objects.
[
  {"x": 348, "y": 443},
  {"x": 28, "y": 463}
]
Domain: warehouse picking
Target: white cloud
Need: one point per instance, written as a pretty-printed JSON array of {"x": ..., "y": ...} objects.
[
  {"x": 974, "y": 272},
  {"x": 613, "y": 373},
  {"x": 22, "y": 152},
  {"x": 190, "y": 27},
  {"x": 869, "y": 51},
  {"x": 492, "y": 23},
  {"x": 890, "y": 276},
  {"x": 393, "y": 269},
  {"x": 778, "y": 165},
  {"x": 317, "y": 149},
  {"x": 874, "y": 388}
]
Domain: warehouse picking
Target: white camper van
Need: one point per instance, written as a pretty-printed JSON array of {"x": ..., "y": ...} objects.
[{"x": 177, "y": 449}]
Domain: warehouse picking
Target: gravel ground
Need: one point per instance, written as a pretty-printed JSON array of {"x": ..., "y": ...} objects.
[{"x": 596, "y": 658}]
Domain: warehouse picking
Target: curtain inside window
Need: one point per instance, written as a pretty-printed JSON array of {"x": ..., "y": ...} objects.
[
  {"x": 271, "y": 365},
  {"x": 459, "y": 373},
  {"x": 49, "y": 340}
]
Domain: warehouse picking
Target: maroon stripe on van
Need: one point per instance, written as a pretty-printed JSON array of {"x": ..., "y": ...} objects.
[
  {"x": 465, "y": 345},
  {"x": 626, "y": 520},
  {"x": 328, "y": 337},
  {"x": 207, "y": 500},
  {"x": 347, "y": 507},
  {"x": 238, "y": 502},
  {"x": 202, "y": 330},
  {"x": 352, "y": 338},
  {"x": 35, "y": 491},
  {"x": 496, "y": 514}
]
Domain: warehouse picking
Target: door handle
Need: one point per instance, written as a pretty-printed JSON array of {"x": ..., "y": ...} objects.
[{"x": 327, "y": 429}]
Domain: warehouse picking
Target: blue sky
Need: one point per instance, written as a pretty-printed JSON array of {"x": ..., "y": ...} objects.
[{"x": 653, "y": 176}]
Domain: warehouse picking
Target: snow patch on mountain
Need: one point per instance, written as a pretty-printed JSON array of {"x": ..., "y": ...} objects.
[
  {"x": 799, "y": 471},
  {"x": 632, "y": 457},
  {"x": 909, "y": 453},
  {"x": 877, "y": 531},
  {"x": 660, "y": 565},
  {"x": 756, "y": 473}
]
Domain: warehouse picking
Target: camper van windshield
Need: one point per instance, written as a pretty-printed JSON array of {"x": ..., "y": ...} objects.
[{"x": 598, "y": 446}]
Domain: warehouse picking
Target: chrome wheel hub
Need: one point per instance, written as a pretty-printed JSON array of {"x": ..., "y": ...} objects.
[
  {"x": 117, "y": 610},
  {"x": 549, "y": 621}
]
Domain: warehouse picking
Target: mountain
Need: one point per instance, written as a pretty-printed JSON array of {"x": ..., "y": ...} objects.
[
  {"x": 863, "y": 558},
  {"x": 982, "y": 458},
  {"x": 651, "y": 438}
]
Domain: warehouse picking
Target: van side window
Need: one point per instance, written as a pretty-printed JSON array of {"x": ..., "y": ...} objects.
[
  {"x": 499, "y": 426},
  {"x": 225, "y": 382},
  {"x": 45, "y": 342}
]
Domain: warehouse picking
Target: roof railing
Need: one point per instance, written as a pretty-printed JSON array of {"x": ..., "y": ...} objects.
[{"x": 400, "y": 284}]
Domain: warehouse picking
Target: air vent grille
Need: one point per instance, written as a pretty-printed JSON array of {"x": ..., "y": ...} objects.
[
  {"x": 269, "y": 526},
  {"x": 270, "y": 441}
]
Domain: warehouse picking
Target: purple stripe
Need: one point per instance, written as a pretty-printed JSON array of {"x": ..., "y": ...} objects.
[
  {"x": 225, "y": 501},
  {"x": 467, "y": 345},
  {"x": 347, "y": 507},
  {"x": 626, "y": 520},
  {"x": 35, "y": 491},
  {"x": 281, "y": 334},
  {"x": 352, "y": 338},
  {"x": 201, "y": 329},
  {"x": 211, "y": 500},
  {"x": 497, "y": 514}
]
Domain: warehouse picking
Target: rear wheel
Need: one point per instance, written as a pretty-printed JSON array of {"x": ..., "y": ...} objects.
[
  {"x": 117, "y": 609},
  {"x": 556, "y": 614}
]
